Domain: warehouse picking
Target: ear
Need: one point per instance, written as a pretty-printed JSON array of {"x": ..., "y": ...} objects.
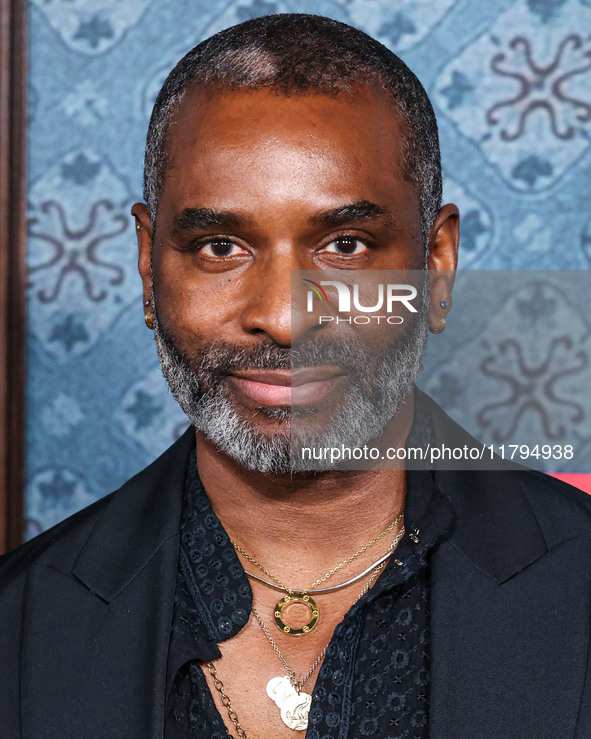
[
  {"x": 444, "y": 238},
  {"x": 143, "y": 225}
]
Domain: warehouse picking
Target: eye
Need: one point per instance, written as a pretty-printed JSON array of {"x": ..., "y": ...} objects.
[
  {"x": 347, "y": 246},
  {"x": 220, "y": 249}
]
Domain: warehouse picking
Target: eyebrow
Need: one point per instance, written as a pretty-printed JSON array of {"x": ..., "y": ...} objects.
[
  {"x": 362, "y": 210},
  {"x": 194, "y": 219}
]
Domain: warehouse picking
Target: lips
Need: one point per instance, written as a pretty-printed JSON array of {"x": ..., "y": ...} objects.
[{"x": 285, "y": 387}]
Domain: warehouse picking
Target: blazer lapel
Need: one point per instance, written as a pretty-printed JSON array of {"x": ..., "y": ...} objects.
[
  {"x": 510, "y": 606},
  {"x": 509, "y": 619},
  {"x": 96, "y": 634}
]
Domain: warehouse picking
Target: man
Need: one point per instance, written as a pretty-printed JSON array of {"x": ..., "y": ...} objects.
[{"x": 223, "y": 586}]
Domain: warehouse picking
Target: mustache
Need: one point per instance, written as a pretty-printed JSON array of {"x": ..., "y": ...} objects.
[{"x": 220, "y": 358}]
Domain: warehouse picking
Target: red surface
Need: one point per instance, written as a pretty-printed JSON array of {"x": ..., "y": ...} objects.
[{"x": 581, "y": 480}]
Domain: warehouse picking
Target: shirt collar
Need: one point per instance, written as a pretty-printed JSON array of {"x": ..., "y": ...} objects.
[
  {"x": 209, "y": 563},
  {"x": 428, "y": 517}
]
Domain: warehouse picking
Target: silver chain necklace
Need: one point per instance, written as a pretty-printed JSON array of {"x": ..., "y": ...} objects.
[
  {"x": 304, "y": 596},
  {"x": 286, "y": 691},
  {"x": 340, "y": 586}
]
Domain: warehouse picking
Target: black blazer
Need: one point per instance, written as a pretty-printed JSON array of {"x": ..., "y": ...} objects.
[{"x": 85, "y": 611}]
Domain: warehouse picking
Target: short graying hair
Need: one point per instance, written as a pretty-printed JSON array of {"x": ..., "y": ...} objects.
[{"x": 297, "y": 53}]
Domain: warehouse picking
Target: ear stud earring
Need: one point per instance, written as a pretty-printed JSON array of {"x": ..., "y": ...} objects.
[
  {"x": 440, "y": 329},
  {"x": 148, "y": 315}
]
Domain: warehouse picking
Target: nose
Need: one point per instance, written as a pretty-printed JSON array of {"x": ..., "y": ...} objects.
[{"x": 270, "y": 307}]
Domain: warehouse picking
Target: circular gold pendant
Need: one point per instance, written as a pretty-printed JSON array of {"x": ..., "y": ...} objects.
[{"x": 296, "y": 597}]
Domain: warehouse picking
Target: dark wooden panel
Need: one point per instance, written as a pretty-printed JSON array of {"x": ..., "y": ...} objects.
[{"x": 13, "y": 59}]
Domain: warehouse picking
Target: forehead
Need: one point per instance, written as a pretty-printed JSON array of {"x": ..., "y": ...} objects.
[
  {"x": 278, "y": 159},
  {"x": 359, "y": 131}
]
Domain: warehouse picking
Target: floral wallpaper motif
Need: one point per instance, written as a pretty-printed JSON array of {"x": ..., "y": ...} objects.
[
  {"x": 511, "y": 84},
  {"x": 533, "y": 85},
  {"x": 517, "y": 367}
]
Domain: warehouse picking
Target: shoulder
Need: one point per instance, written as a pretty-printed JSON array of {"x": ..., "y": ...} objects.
[
  {"x": 506, "y": 505},
  {"x": 63, "y": 540},
  {"x": 117, "y": 516},
  {"x": 563, "y": 510}
]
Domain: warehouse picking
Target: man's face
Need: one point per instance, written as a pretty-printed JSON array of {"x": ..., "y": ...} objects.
[{"x": 259, "y": 184}]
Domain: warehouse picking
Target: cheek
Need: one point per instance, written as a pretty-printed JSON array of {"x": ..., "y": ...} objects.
[
  {"x": 193, "y": 304},
  {"x": 379, "y": 338},
  {"x": 381, "y": 331}
]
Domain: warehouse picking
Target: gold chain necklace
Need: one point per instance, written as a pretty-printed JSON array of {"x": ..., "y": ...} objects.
[
  {"x": 304, "y": 596},
  {"x": 219, "y": 686},
  {"x": 286, "y": 691}
]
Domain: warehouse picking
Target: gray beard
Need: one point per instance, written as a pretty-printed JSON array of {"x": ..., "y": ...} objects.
[{"x": 379, "y": 384}]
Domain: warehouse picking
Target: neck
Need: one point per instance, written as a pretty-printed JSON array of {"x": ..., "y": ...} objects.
[{"x": 306, "y": 520}]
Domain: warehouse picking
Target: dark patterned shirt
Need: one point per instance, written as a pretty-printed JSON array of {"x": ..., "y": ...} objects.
[{"x": 374, "y": 680}]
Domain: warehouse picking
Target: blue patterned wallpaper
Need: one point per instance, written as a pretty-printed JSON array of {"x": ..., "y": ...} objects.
[{"x": 511, "y": 84}]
